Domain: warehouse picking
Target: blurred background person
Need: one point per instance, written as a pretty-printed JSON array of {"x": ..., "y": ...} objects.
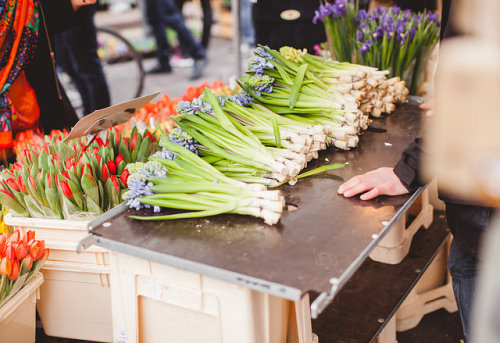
[
  {"x": 76, "y": 54},
  {"x": 162, "y": 14},
  {"x": 29, "y": 90}
]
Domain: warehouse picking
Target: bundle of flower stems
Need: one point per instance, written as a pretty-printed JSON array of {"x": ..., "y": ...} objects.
[
  {"x": 178, "y": 178},
  {"x": 237, "y": 148}
]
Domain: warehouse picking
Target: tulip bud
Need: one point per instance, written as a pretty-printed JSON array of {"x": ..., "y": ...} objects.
[
  {"x": 119, "y": 159},
  {"x": 28, "y": 260},
  {"x": 66, "y": 189},
  {"x": 10, "y": 252},
  {"x": 12, "y": 183},
  {"x": 124, "y": 177},
  {"x": 15, "y": 237},
  {"x": 112, "y": 167},
  {"x": 5, "y": 266},
  {"x": 133, "y": 141},
  {"x": 21, "y": 184},
  {"x": 21, "y": 250},
  {"x": 114, "y": 180},
  {"x": 36, "y": 250},
  {"x": 14, "y": 273},
  {"x": 105, "y": 173}
]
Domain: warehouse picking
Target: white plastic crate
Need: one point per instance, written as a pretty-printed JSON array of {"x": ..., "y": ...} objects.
[
  {"x": 18, "y": 316},
  {"x": 76, "y": 296},
  {"x": 432, "y": 292},
  {"x": 158, "y": 303},
  {"x": 395, "y": 245}
]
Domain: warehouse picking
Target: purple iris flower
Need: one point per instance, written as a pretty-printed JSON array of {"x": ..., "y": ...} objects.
[
  {"x": 316, "y": 17},
  {"x": 378, "y": 33},
  {"x": 401, "y": 37},
  {"x": 363, "y": 27},
  {"x": 387, "y": 20},
  {"x": 380, "y": 11},
  {"x": 433, "y": 17},
  {"x": 407, "y": 14},
  {"x": 340, "y": 5},
  {"x": 363, "y": 15},
  {"x": 395, "y": 10},
  {"x": 364, "y": 48},
  {"x": 359, "y": 36},
  {"x": 419, "y": 18},
  {"x": 400, "y": 27},
  {"x": 369, "y": 42},
  {"x": 412, "y": 32}
]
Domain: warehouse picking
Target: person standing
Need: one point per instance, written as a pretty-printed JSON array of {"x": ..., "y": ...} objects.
[
  {"x": 163, "y": 13},
  {"x": 76, "y": 54}
]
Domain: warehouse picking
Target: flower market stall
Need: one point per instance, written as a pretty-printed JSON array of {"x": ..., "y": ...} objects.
[{"x": 216, "y": 217}]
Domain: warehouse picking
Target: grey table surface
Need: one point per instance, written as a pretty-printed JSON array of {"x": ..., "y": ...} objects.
[{"x": 327, "y": 236}]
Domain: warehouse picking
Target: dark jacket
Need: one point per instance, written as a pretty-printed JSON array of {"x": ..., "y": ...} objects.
[{"x": 56, "y": 111}]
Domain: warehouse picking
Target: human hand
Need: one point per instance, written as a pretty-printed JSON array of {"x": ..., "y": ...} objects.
[
  {"x": 79, "y": 3},
  {"x": 428, "y": 107},
  {"x": 381, "y": 181}
]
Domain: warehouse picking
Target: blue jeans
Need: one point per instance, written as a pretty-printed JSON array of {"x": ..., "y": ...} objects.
[
  {"x": 76, "y": 54},
  {"x": 463, "y": 270},
  {"x": 163, "y": 13}
]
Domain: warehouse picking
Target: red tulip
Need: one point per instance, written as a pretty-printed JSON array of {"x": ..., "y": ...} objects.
[
  {"x": 66, "y": 174},
  {"x": 49, "y": 181},
  {"x": 119, "y": 159},
  {"x": 5, "y": 266},
  {"x": 98, "y": 158},
  {"x": 133, "y": 141},
  {"x": 30, "y": 235},
  {"x": 15, "y": 237},
  {"x": 150, "y": 136},
  {"x": 112, "y": 167},
  {"x": 124, "y": 177},
  {"x": 45, "y": 255},
  {"x": 14, "y": 273},
  {"x": 10, "y": 252},
  {"x": 3, "y": 239},
  {"x": 99, "y": 141},
  {"x": 21, "y": 184},
  {"x": 66, "y": 189},
  {"x": 21, "y": 250},
  {"x": 28, "y": 260},
  {"x": 125, "y": 141},
  {"x": 31, "y": 179},
  {"x": 115, "y": 183},
  {"x": 105, "y": 173},
  {"x": 12, "y": 183},
  {"x": 37, "y": 249}
]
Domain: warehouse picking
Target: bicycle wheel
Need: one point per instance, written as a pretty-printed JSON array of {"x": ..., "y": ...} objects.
[{"x": 122, "y": 65}]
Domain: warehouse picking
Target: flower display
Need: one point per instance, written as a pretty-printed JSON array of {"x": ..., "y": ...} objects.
[
  {"x": 389, "y": 39},
  {"x": 21, "y": 257}
]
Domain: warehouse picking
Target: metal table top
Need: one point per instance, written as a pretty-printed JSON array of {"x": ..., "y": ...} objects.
[{"x": 326, "y": 238}]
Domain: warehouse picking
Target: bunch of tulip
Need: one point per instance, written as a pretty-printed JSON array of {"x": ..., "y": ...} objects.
[
  {"x": 21, "y": 257},
  {"x": 73, "y": 183},
  {"x": 388, "y": 39}
]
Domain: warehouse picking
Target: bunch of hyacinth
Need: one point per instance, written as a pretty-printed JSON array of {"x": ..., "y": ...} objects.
[
  {"x": 290, "y": 87},
  {"x": 187, "y": 182},
  {"x": 340, "y": 27},
  {"x": 222, "y": 138},
  {"x": 374, "y": 94}
]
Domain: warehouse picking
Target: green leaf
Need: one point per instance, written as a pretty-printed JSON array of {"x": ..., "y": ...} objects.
[
  {"x": 277, "y": 135},
  {"x": 297, "y": 84},
  {"x": 321, "y": 170}
]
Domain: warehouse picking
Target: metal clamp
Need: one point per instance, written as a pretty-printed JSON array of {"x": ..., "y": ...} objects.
[
  {"x": 85, "y": 243},
  {"x": 324, "y": 299}
]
